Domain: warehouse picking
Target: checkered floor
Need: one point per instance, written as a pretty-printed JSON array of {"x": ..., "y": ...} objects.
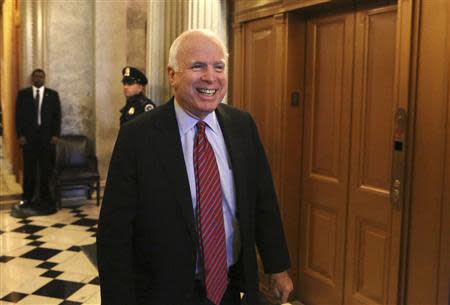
[{"x": 41, "y": 261}]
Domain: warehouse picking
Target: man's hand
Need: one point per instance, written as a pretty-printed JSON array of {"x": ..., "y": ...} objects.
[
  {"x": 54, "y": 140},
  {"x": 22, "y": 140},
  {"x": 281, "y": 285}
]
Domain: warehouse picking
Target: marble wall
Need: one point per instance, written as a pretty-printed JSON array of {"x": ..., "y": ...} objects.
[
  {"x": 70, "y": 63},
  {"x": 136, "y": 33}
]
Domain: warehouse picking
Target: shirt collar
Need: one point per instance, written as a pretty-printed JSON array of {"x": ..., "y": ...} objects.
[
  {"x": 186, "y": 122},
  {"x": 41, "y": 89}
]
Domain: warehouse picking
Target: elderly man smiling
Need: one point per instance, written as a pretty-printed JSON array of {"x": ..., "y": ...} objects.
[{"x": 189, "y": 194}]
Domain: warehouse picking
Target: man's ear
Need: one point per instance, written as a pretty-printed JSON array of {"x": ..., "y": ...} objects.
[{"x": 171, "y": 74}]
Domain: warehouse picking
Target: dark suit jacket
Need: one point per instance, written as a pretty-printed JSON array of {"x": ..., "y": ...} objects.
[
  {"x": 26, "y": 115},
  {"x": 147, "y": 241}
]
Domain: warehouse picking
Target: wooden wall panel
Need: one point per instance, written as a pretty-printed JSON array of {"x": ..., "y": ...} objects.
[
  {"x": 326, "y": 99},
  {"x": 291, "y": 137},
  {"x": 321, "y": 240},
  {"x": 378, "y": 108},
  {"x": 372, "y": 250},
  {"x": 428, "y": 261}
]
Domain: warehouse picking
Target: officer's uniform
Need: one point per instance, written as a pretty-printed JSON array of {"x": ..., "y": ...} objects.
[{"x": 138, "y": 103}]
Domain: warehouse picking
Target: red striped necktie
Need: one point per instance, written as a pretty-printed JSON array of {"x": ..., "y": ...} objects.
[{"x": 210, "y": 224}]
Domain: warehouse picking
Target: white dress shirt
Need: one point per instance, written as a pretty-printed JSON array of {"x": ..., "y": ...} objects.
[
  {"x": 187, "y": 128},
  {"x": 41, "y": 97}
]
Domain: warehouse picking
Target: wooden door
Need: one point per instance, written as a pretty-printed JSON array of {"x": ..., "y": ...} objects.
[
  {"x": 262, "y": 81},
  {"x": 259, "y": 95},
  {"x": 373, "y": 226},
  {"x": 260, "y": 90},
  {"x": 326, "y": 145},
  {"x": 350, "y": 232}
]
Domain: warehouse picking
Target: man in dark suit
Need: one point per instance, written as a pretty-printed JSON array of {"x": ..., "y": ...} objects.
[
  {"x": 189, "y": 194},
  {"x": 38, "y": 125}
]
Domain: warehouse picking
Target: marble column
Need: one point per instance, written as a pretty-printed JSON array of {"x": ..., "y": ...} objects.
[
  {"x": 69, "y": 57},
  {"x": 137, "y": 34},
  {"x": 210, "y": 14},
  {"x": 110, "y": 58},
  {"x": 7, "y": 94},
  {"x": 166, "y": 20}
]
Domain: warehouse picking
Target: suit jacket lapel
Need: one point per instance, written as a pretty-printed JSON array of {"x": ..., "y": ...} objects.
[
  {"x": 30, "y": 93},
  {"x": 44, "y": 101},
  {"x": 233, "y": 139},
  {"x": 171, "y": 156},
  {"x": 32, "y": 102}
]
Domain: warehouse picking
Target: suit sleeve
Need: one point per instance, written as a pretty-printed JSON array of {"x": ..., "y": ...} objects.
[
  {"x": 19, "y": 115},
  {"x": 115, "y": 228},
  {"x": 56, "y": 128},
  {"x": 269, "y": 232}
]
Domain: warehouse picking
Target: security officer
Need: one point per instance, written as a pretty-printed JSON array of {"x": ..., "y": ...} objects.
[{"x": 134, "y": 82}]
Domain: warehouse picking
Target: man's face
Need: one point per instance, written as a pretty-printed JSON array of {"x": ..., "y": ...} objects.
[
  {"x": 38, "y": 79},
  {"x": 200, "y": 83},
  {"x": 132, "y": 89}
]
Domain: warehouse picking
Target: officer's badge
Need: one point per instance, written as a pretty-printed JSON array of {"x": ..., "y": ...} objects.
[
  {"x": 127, "y": 73},
  {"x": 148, "y": 107},
  {"x": 131, "y": 111}
]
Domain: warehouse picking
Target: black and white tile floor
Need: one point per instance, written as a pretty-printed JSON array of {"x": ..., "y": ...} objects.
[{"x": 41, "y": 261}]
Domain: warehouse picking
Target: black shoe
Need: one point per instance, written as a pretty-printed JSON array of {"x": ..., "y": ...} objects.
[
  {"x": 25, "y": 212},
  {"x": 23, "y": 204},
  {"x": 45, "y": 210},
  {"x": 22, "y": 212}
]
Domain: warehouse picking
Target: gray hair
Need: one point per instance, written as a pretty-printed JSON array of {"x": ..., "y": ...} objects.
[{"x": 174, "y": 48}]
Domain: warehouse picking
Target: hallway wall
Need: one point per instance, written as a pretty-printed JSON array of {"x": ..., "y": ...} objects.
[{"x": 83, "y": 46}]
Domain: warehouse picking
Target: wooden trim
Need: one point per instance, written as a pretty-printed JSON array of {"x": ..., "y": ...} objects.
[
  {"x": 413, "y": 75},
  {"x": 290, "y": 5},
  {"x": 444, "y": 271},
  {"x": 279, "y": 83},
  {"x": 404, "y": 98},
  {"x": 251, "y": 14},
  {"x": 237, "y": 82}
]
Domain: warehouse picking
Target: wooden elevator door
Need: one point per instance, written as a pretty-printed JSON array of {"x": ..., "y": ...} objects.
[{"x": 350, "y": 233}]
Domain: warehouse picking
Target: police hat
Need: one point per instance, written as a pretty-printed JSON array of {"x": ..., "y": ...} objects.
[{"x": 132, "y": 75}]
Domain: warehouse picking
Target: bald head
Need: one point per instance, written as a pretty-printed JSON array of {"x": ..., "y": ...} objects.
[{"x": 185, "y": 37}]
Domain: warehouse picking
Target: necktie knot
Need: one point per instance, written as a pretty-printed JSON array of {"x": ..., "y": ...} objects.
[{"x": 201, "y": 127}]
